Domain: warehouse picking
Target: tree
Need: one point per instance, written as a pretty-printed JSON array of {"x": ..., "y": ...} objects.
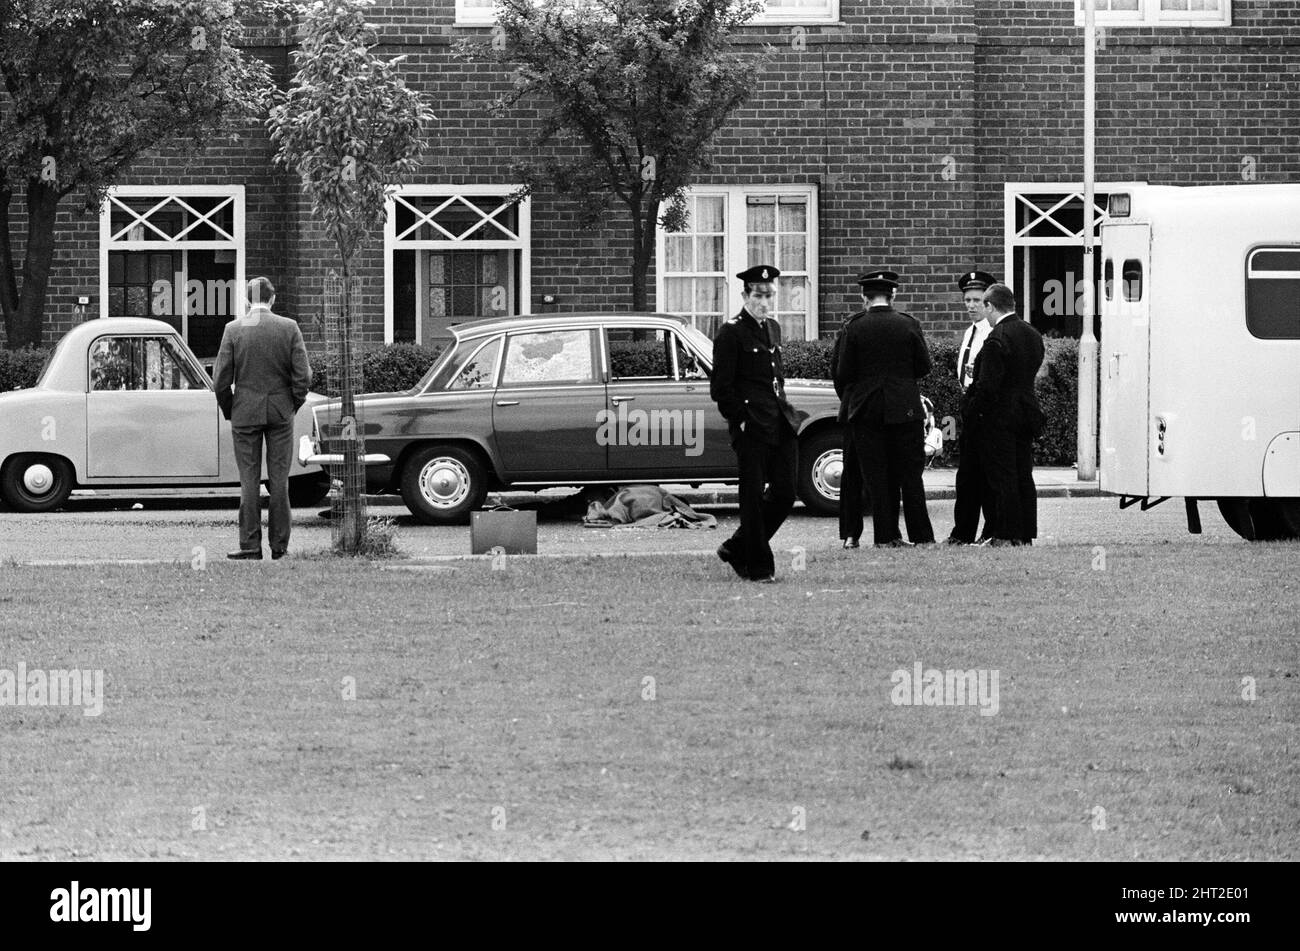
[
  {"x": 637, "y": 89},
  {"x": 352, "y": 130},
  {"x": 90, "y": 85}
]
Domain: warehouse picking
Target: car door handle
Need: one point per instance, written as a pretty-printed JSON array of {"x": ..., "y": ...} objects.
[
  {"x": 507, "y": 402},
  {"x": 621, "y": 399}
]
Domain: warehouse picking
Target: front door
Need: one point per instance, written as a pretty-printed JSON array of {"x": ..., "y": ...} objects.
[
  {"x": 1125, "y": 358},
  {"x": 149, "y": 412},
  {"x": 548, "y": 407}
]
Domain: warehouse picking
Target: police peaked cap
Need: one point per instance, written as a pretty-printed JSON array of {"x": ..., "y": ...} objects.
[
  {"x": 759, "y": 274},
  {"x": 878, "y": 280},
  {"x": 979, "y": 279}
]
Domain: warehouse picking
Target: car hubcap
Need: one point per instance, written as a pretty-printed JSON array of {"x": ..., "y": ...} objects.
[
  {"x": 444, "y": 483},
  {"x": 38, "y": 479},
  {"x": 828, "y": 469}
]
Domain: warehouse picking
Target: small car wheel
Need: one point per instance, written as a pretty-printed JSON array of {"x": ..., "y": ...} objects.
[
  {"x": 34, "y": 483},
  {"x": 1256, "y": 520},
  {"x": 441, "y": 485},
  {"x": 821, "y": 463},
  {"x": 307, "y": 490}
]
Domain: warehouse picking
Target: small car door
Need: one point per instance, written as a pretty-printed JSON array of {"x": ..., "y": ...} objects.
[
  {"x": 150, "y": 413},
  {"x": 660, "y": 419},
  {"x": 548, "y": 405}
]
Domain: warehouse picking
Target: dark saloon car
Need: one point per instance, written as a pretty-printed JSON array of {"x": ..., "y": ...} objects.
[{"x": 571, "y": 400}]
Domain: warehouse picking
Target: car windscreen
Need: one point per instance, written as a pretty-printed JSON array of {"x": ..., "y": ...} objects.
[{"x": 435, "y": 378}]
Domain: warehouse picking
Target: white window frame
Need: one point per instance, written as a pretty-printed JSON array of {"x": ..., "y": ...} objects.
[
  {"x": 163, "y": 195},
  {"x": 522, "y": 244},
  {"x": 735, "y": 250},
  {"x": 476, "y": 16},
  {"x": 1011, "y": 240},
  {"x": 1149, "y": 13}
]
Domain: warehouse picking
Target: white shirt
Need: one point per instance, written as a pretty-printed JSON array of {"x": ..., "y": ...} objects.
[{"x": 971, "y": 343}]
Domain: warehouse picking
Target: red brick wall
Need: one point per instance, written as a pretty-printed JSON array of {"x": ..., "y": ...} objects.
[{"x": 909, "y": 116}]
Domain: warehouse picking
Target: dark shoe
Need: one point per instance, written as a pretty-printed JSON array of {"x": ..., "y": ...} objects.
[
  {"x": 245, "y": 555},
  {"x": 277, "y": 555},
  {"x": 851, "y": 543},
  {"x": 896, "y": 543},
  {"x": 1000, "y": 543},
  {"x": 764, "y": 579},
  {"x": 729, "y": 556}
]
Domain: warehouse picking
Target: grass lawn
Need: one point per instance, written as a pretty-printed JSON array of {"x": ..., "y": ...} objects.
[{"x": 507, "y": 713}]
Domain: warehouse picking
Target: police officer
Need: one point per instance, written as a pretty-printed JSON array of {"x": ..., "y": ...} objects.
[
  {"x": 970, "y": 480},
  {"x": 883, "y": 357},
  {"x": 748, "y": 384},
  {"x": 852, "y": 488},
  {"x": 1002, "y": 403}
]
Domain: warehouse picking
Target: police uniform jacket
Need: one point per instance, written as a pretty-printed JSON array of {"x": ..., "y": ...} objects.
[
  {"x": 748, "y": 382},
  {"x": 1003, "y": 390},
  {"x": 835, "y": 364},
  {"x": 879, "y": 366}
]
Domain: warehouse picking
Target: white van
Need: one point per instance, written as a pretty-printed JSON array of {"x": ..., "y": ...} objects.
[{"x": 1200, "y": 352}]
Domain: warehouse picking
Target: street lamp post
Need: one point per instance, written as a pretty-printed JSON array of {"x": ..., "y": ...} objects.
[{"x": 1087, "y": 446}]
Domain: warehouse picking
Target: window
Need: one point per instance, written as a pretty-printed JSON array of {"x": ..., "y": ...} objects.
[
  {"x": 729, "y": 229},
  {"x": 1108, "y": 279},
  {"x": 140, "y": 363},
  {"x": 1273, "y": 293},
  {"x": 640, "y": 355},
  {"x": 480, "y": 370},
  {"x": 1132, "y": 280},
  {"x": 483, "y": 12},
  {"x": 550, "y": 357},
  {"x": 175, "y": 255},
  {"x": 1159, "y": 12},
  {"x": 452, "y": 255}
]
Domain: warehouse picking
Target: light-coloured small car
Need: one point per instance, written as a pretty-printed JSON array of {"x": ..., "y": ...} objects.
[{"x": 123, "y": 403}]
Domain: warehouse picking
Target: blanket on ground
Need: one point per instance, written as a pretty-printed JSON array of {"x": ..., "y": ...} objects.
[{"x": 645, "y": 506}]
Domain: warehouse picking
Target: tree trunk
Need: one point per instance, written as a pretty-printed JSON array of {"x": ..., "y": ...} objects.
[
  {"x": 643, "y": 245},
  {"x": 25, "y": 326},
  {"x": 8, "y": 281}
]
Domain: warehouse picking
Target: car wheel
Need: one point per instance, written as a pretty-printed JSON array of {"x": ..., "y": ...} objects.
[
  {"x": 441, "y": 485},
  {"x": 307, "y": 490},
  {"x": 32, "y": 483},
  {"x": 1260, "y": 520},
  {"x": 821, "y": 464}
]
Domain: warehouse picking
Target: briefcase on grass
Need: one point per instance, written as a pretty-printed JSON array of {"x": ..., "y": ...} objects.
[{"x": 515, "y": 532}]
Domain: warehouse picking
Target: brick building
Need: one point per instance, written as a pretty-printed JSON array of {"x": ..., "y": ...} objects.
[{"x": 930, "y": 136}]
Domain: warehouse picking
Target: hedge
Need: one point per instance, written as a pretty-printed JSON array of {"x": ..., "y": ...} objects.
[
  {"x": 400, "y": 366},
  {"x": 20, "y": 368},
  {"x": 388, "y": 369}
]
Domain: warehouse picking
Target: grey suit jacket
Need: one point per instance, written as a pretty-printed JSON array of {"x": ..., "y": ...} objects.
[{"x": 264, "y": 359}]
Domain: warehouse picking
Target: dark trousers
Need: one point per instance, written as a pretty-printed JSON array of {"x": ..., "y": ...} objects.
[
  {"x": 853, "y": 490},
  {"x": 762, "y": 512},
  {"x": 892, "y": 459},
  {"x": 1006, "y": 455},
  {"x": 279, "y": 457},
  {"x": 971, "y": 496}
]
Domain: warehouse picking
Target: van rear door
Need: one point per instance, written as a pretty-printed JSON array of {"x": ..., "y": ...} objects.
[{"x": 1125, "y": 358}]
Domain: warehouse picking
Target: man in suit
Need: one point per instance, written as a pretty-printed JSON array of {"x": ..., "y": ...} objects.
[
  {"x": 1005, "y": 411},
  {"x": 970, "y": 480},
  {"x": 883, "y": 358},
  {"x": 262, "y": 376},
  {"x": 852, "y": 488},
  {"x": 748, "y": 384}
]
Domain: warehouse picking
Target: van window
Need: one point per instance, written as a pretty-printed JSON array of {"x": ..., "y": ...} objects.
[
  {"x": 1132, "y": 278},
  {"x": 1273, "y": 293},
  {"x": 1108, "y": 279}
]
